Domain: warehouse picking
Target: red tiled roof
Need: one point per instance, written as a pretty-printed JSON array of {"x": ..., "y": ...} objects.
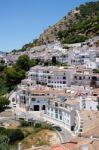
[
  {"x": 70, "y": 145},
  {"x": 58, "y": 147},
  {"x": 65, "y": 146}
]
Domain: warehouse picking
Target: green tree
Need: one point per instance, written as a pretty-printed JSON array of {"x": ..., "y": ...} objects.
[
  {"x": 23, "y": 62},
  {"x": 13, "y": 76},
  {"x": 15, "y": 135},
  {"x": 3, "y": 102},
  {"x": 4, "y": 142}
]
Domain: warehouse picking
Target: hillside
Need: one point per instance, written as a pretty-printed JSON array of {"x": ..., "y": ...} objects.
[{"x": 78, "y": 25}]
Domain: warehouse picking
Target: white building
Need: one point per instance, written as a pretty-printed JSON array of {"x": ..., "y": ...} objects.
[
  {"x": 89, "y": 103},
  {"x": 59, "y": 111},
  {"x": 56, "y": 77},
  {"x": 76, "y": 57}
]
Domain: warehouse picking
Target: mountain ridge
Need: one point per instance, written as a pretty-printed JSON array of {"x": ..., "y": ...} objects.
[
  {"x": 84, "y": 19},
  {"x": 80, "y": 24}
]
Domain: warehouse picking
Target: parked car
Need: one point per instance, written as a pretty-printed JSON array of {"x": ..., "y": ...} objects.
[{"x": 57, "y": 128}]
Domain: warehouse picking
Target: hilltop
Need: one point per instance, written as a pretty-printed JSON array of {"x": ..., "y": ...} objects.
[{"x": 80, "y": 24}]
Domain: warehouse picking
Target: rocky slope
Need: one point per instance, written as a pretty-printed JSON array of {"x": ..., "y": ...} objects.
[
  {"x": 80, "y": 24},
  {"x": 83, "y": 21}
]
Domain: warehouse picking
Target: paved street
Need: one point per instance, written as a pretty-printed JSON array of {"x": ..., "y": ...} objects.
[{"x": 65, "y": 135}]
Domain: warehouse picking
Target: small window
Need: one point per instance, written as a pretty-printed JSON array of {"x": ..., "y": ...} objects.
[
  {"x": 56, "y": 104},
  {"x": 60, "y": 117},
  {"x": 56, "y": 116},
  {"x": 56, "y": 111},
  {"x": 33, "y": 99},
  {"x": 75, "y": 77},
  {"x": 49, "y": 77},
  {"x": 64, "y": 82},
  {"x": 64, "y": 78}
]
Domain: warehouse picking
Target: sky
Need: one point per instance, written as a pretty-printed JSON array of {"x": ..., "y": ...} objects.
[{"x": 21, "y": 21}]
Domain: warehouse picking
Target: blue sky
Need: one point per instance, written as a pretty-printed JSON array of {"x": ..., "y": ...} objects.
[{"x": 21, "y": 21}]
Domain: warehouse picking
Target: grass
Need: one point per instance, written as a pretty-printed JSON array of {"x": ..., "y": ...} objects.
[
  {"x": 37, "y": 138},
  {"x": 38, "y": 135}
]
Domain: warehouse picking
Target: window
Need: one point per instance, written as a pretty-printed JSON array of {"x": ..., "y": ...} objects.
[
  {"x": 33, "y": 99},
  {"x": 64, "y": 82},
  {"x": 38, "y": 101},
  {"x": 64, "y": 78},
  {"x": 51, "y": 109},
  {"x": 60, "y": 117},
  {"x": 75, "y": 77},
  {"x": 49, "y": 77},
  {"x": 56, "y": 104},
  {"x": 43, "y": 107},
  {"x": 80, "y": 78},
  {"x": 56, "y": 111},
  {"x": 56, "y": 116},
  {"x": 60, "y": 112}
]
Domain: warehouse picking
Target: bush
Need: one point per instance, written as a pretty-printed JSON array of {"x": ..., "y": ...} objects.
[
  {"x": 12, "y": 134},
  {"x": 44, "y": 126},
  {"x": 95, "y": 70},
  {"x": 24, "y": 123},
  {"x": 74, "y": 39},
  {"x": 38, "y": 125},
  {"x": 4, "y": 102},
  {"x": 15, "y": 135}
]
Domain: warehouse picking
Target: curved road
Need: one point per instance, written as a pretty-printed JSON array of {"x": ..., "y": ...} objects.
[{"x": 64, "y": 135}]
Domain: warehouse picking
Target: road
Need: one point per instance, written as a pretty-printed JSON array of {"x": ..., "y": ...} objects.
[{"x": 64, "y": 135}]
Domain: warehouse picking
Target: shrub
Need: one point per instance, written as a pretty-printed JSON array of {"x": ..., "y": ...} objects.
[
  {"x": 15, "y": 135},
  {"x": 12, "y": 134},
  {"x": 38, "y": 125},
  {"x": 24, "y": 123}
]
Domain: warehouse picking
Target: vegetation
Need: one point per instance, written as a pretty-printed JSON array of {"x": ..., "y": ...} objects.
[
  {"x": 4, "y": 102},
  {"x": 86, "y": 26},
  {"x": 81, "y": 23},
  {"x": 2, "y": 67},
  {"x": 8, "y": 137},
  {"x": 4, "y": 142},
  {"x": 95, "y": 70},
  {"x": 13, "y": 76},
  {"x": 23, "y": 63},
  {"x": 36, "y": 125},
  {"x": 35, "y": 133},
  {"x": 3, "y": 86},
  {"x": 77, "y": 26},
  {"x": 16, "y": 73},
  {"x": 74, "y": 39}
]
